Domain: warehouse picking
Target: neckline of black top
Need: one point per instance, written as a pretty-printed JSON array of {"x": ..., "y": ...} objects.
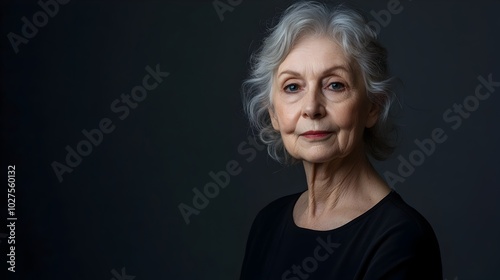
[{"x": 352, "y": 222}]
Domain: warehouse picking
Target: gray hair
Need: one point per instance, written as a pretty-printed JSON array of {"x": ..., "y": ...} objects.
[{"x": 350, "y": 30}]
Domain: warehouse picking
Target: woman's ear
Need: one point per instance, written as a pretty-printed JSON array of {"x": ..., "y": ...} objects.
[
  {"x": 373, "y": 115},
  {"x": 274, "y": 120}
]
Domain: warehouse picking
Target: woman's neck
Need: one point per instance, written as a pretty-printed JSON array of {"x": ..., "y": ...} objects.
[{"x": 345, "y": 182}]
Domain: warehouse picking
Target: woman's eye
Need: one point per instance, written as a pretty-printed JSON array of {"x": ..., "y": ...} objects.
[
  {"x": 336, "y": 86},
  {"x": 291, "y": 88}
]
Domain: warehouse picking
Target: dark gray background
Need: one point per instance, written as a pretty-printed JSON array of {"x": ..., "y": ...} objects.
[{"x": 119, "y": 207}]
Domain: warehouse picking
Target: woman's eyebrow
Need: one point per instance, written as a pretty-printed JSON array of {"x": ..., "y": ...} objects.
[
  {"x": 290, "y": 72},
  {"x": 343, "y": 68},
  {"x": 326, "y": 71}
]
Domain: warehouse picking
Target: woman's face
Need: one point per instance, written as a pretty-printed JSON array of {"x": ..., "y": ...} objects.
[{"x": 320, "y": 105}]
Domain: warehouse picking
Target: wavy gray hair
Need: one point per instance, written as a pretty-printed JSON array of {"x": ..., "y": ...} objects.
[{"x": 351, "y": 31}]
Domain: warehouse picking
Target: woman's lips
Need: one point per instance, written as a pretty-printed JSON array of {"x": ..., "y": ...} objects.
[{"x": 316, "y": 134}]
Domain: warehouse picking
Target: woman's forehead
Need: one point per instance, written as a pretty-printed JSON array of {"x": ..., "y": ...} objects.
[{"x": 316, "y": 54}]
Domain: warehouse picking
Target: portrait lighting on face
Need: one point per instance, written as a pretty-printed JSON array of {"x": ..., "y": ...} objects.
[{"x": 319, "y": 93}]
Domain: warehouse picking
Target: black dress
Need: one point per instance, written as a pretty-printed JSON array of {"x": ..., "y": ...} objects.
[{"x": 389, "y": 241}]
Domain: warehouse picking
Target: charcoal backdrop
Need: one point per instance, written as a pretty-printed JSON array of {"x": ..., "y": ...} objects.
[{"x": 114, "y": 212}]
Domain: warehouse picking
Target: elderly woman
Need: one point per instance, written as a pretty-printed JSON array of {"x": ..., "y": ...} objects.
[{"x": 319, "y": 93}]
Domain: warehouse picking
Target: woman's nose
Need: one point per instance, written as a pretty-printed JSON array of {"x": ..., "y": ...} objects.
[{"x": 313, "y": 106}]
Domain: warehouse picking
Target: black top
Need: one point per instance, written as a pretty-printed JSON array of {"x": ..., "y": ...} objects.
[{"x": 389, "y": 241}]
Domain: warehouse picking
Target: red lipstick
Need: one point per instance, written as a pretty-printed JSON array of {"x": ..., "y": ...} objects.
[{"x": 316, "y": 134}]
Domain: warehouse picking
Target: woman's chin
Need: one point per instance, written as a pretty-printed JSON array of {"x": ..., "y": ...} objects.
[{"x": 318, "y": 157}]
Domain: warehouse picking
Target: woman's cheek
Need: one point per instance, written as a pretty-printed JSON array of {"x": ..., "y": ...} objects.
[
  {"x": 348, "y": 116},
  {"x": 289, "y": 119}
]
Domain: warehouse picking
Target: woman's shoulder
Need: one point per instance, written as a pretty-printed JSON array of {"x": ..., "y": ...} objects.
[
  {"x": 277, "y": 210},
  {"x": 396, "y": 210},
  {"x": 404, "y": 236},
  {"x": 279, "y": 205}
]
